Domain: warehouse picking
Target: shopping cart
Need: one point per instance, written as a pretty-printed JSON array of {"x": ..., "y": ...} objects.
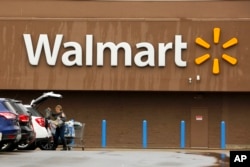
[{"x": 74, "y": 132}]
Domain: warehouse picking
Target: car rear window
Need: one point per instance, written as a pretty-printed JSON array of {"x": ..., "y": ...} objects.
[
  {"x": 23, "y": 109},
  {"x": 6, "y": 106},
  {"x": 3, "y": 108},
  {"x": 18, "y": 107},
  {"x": 34, "y": 112}
]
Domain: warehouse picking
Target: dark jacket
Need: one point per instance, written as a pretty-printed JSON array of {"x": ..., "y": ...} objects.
[{"x": 61, "y": 116}]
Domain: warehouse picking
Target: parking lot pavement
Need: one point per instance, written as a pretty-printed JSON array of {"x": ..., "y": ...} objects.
[{"x": 113, "y": 158}]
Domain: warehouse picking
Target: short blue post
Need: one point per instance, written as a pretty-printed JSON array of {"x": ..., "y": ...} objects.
[
  {"x": 183, "y": 127},
  {"x": 104, "y": 131},
  {"x": 223, "y": 135},
  {"x": 144, "y": 134}
]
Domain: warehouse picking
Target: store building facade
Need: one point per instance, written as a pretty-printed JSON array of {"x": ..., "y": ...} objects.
[{"x": 129, "y": 61}]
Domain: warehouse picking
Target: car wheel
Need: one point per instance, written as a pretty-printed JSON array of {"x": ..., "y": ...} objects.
[
  {"x": 25, "y": 146},
  {"x": 1, "y": 145},
  {"x": 46, "y": 145},
  {"x": 8, "y": 147}
]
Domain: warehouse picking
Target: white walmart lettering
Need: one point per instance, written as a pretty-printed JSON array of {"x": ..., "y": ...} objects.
[{"x": 74, "y": 56}]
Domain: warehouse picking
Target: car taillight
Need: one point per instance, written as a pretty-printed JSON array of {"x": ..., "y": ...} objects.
[
  {"x": 10, "y": 136},
  {"x": 40, "y": 121},
  {"x": 8, "y": 115},
  {"x": 24, "y": 118}
]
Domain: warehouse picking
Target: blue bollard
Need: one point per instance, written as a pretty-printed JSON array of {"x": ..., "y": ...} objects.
[
  {"x": 223, "y": 135},
  {"x": 104, "y": 135},
  {"x": 144, "y": 134},
  {"x": 183, "y": 127}
]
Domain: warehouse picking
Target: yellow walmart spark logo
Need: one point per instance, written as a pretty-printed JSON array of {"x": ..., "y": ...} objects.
[{"x": 216, "y": 37}]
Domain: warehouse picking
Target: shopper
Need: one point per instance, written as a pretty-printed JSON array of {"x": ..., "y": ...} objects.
[{"x": 59, "y": 118}]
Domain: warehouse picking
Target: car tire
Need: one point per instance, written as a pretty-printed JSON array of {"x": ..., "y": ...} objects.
[
  {"x": 46, "y": 146},
  {"x": 31, "y": 146},
  {"x": 9, "y": 146},
  {"x": 1, "y": 145}
]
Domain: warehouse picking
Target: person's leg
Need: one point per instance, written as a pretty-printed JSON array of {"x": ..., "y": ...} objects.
[
  {"x": 56, "y": 137},
  {"x": 62, "y": 130}
]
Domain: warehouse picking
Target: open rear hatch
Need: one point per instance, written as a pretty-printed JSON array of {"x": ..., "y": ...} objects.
[{"x": 35, "y": 103}]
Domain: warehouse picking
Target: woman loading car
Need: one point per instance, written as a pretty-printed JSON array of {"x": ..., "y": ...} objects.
[{"x": 58, "y": 119}]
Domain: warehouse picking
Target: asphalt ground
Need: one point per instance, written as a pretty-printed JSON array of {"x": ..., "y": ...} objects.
[{"x": 116, "y": 158}]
